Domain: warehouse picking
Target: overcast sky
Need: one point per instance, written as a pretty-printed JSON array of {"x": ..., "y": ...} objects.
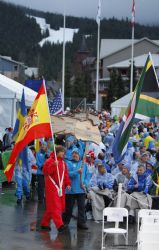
[{"x": 147, "y": 11}]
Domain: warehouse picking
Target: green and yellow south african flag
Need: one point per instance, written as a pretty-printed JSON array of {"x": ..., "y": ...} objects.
[
  {"x": 144, "y": 105},
  {"x": 148, "y": 104}
]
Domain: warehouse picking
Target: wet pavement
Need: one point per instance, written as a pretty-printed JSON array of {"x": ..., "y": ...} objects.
[{"x": 19, "y": 225}]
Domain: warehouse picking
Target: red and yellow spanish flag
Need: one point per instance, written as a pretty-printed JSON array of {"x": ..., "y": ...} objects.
[{"x": 36, "y": 125}]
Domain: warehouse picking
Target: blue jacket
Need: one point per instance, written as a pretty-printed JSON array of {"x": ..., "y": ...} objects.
[
  {"x": 144, "y": 183},
  {"x": 40, "y": 160},
  {"x": 73, "y": 168},
  {"x": 99, "y": 179}
]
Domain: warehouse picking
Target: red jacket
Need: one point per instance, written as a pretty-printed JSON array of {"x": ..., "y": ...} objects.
[{"x": 53, "y": 201}]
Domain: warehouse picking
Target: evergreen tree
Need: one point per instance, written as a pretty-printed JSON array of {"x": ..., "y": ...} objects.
[
  {"x": 20, "y": 36},
  {"x": 112, "y": 89},
  {"x": 68, "y": 85},
  {"x": 121, "y": 88},
  {"x": 134, "y": 75}
]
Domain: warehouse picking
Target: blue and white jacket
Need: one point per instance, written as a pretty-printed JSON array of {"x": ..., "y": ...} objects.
[
  {"x": 144, "y": 183},
  {"x": 99, "y": 180},
  {"x": 40, "y": 160},
  {"x": 73, "y": 168}
]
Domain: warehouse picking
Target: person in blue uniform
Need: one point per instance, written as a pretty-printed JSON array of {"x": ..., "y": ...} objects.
[
  {"x": 22, "y": 174},
  {"x": 78, "y": 174},
  {"x": 41, "y": 157}
]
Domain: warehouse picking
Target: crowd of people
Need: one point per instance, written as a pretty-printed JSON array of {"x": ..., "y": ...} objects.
[{"x": 85, "y": 174}]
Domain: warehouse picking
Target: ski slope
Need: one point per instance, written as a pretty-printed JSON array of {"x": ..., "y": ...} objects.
[{"x": 55, "y": 36}]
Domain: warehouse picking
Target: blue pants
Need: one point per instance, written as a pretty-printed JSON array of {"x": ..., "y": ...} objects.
[{"x": 23, "y": 183}]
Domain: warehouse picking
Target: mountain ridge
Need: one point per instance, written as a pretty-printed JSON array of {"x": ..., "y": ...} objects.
[{"x": 20, "y": 37}]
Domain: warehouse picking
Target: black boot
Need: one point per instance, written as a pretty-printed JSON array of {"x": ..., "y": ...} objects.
[
  {"x": 19, "y": 201},
  {"x": 62, "y": 228},
  {"x": 46, "y": 228}
]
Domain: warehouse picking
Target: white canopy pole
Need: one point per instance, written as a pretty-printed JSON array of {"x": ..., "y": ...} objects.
[{"x": 98, "y": 18}]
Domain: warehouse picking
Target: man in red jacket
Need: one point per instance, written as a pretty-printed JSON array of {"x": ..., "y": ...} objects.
[{"x": 56, "y": 181}]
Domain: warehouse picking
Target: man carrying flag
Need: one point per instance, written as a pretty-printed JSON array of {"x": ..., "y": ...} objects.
[
  {"x": 143, "y": 106},
  {"x": 25, "y": 159}
]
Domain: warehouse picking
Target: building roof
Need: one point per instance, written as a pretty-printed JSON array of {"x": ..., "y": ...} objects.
[
  {"x": 8, "y": 58},
  {"x": 139, "y": 62},
  {"x": 111, "y": 46}
]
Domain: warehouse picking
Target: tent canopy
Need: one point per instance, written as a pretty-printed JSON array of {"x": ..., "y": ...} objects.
[
  {"x": 10, "y": 94},
  {"x": 10, "y": 89},
  {"x": 120, "y": 104}
]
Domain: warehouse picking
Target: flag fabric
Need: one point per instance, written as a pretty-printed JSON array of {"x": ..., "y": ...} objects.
[
  {"x": 55, "y": 106},
  {"x": 133, "y": 13},
  {"x": 22, "y": 112},
  {"x": 36, "y": 125},
  {"x": 148, "y": 104},
  {"x": 141, "y": 105},
  {"x": 34, "y": 84},
  {"x": 98, "y": 17},
  {"x": 20, "y": 117}
]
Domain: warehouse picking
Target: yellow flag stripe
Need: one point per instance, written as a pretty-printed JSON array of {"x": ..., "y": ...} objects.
[
  {"x": 148, "y": 98},
  {"x": 149, "y": 65},
  {"x": 40, "y": 114},
  {"x": 8, "y": 168}
]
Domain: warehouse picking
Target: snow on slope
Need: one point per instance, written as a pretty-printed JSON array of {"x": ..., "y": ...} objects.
[{"x": 55, "y": 36}]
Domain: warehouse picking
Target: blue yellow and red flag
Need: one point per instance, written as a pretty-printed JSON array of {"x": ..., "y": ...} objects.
[
  {"x": 22, "y": 113},
  {"x": 36, "y": 125},
  {"x": 20, "y": 117}
]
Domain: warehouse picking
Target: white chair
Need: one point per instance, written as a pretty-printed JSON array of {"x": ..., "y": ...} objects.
[
  {"x": 147, "y": 216},
  {"x": 148, "y": 229},
  {"x": 149, "y": 246},
  {"x": 116, "y": 215}
]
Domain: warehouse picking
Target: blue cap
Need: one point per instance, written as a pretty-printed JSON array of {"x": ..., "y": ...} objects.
[
  {"x": 126, "y": 165},
  {"x": 130, "y": 144},
  {"x": 75, "y": 150},
  {"x": 97, "y": 161}
]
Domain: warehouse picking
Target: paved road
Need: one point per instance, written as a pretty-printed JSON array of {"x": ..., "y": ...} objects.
[{"x": 19, "y": 224}]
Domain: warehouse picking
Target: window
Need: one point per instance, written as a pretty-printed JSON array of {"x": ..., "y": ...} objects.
[
  {"x": 123, "y": 72},
  {"x": 15, "y": 67}
]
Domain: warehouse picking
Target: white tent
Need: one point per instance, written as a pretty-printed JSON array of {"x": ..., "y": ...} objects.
[
  {"x": 120, "y": 104},
  {"x": 10, "y": 95}
]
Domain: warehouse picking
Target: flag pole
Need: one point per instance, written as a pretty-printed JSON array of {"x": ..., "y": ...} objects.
[
  {"x": 97, "y": 73},
  {"x": 98, "y": 48},
  {"x": 63, "y": 63},
  {"x": 53, "y": 140},
  {"x": 132, "y": 60},
  {"x": 132, "y": 46}
]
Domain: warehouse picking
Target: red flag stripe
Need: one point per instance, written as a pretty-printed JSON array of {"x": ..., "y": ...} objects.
[{"x": 133, "y": 13}]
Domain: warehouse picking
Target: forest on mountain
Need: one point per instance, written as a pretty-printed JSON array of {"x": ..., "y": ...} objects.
[{"x": 20, "y": 37}]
